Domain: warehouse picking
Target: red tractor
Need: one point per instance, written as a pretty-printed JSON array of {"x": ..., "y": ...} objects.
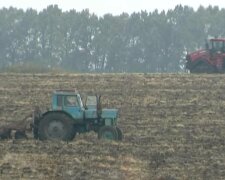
[{"x": 208, "y": 60}]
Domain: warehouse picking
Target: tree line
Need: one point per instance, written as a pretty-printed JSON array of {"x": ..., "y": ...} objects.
[{"x": 84, "y": 42}]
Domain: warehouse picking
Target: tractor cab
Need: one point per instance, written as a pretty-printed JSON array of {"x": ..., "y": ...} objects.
[
  {"x": 69, "y": 102},
  {"x": 217, "y": 45}
]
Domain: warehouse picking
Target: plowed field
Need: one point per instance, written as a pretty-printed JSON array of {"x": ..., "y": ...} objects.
[{"x": 173, "y": 125}]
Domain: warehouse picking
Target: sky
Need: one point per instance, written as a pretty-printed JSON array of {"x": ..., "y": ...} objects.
[{"x": 115, "y": 7}]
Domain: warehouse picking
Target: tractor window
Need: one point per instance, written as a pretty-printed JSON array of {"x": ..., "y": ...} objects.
[
  {"x": 91, "y": 101},
  {"x": 59, "y": 100},
  {"x": 70, "y": 101},
  {"x": 218, "y": 45}
]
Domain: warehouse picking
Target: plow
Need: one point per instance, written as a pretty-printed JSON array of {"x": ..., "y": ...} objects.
[{"x": 17, "y": 130}]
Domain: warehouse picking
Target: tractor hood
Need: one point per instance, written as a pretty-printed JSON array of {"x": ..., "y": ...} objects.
[
  {"x": 109, "y": 113},
  {"x": 200, "y": 54}
]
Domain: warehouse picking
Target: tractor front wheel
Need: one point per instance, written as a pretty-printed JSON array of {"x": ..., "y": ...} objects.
[
  {"x": 108, "y": 132},
  {"x": 56, "y": 126}
]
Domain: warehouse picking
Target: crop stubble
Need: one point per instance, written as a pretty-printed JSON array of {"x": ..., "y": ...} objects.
[{"x": 173, "y": 127}]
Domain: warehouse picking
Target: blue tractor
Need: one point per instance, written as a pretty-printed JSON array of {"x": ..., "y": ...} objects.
[{"x": 69, "y": 116}]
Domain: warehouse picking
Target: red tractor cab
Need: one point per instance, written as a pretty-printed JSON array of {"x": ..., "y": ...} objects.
[{"x": 208, "y": 60}]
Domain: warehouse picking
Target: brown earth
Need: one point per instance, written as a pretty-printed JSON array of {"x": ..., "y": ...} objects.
[{"x": 173, "y": 125}]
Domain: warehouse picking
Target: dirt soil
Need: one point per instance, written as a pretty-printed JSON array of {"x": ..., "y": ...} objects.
[{"x": 173, "y": 125}]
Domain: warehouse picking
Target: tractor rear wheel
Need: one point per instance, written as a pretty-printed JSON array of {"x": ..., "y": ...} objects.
[
  {"x": 120, "y": 134},
  {"x": 56, "y": 126},
  {"x": 108, "y": 132},
  {"x": 203, "y": 67}
]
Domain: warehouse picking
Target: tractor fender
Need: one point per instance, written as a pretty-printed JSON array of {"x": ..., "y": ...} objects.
[
  {"x": 74, "y": 121},
  {"x": 37, "y": 121},
  {"x": 56, "y": 111}
]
